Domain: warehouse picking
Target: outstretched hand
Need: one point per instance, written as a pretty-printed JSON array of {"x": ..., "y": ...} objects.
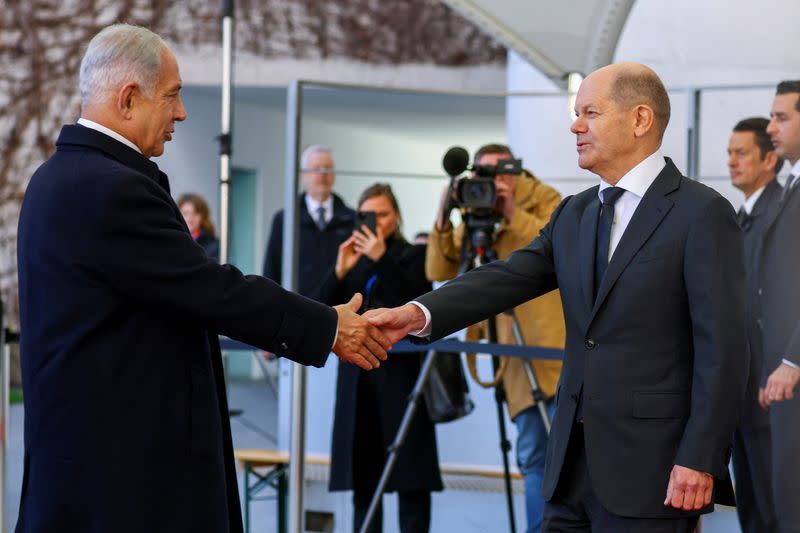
[
  {"x": 358, "y": 341},
  {"x": 397, "y": 322}
]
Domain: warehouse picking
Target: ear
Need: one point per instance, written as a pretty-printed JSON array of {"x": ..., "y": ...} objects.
[
  {"x": 126, "y": 98},
  {"x": 644, "y": 119},
  {"x": 771, "y": 160}
]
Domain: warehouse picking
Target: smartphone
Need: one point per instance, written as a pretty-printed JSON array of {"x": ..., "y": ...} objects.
[{"x": 368, "y": 219}]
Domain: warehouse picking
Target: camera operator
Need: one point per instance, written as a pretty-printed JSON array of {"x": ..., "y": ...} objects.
[{"x": 523, "y": 207}]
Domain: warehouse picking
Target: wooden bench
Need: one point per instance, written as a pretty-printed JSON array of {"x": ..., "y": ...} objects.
[{"x": 276, "y": 464}]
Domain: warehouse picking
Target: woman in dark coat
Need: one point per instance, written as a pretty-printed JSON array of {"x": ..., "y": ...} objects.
[
  {"x": 197, "y": 215},
  {"x": 388, "y": 271}
]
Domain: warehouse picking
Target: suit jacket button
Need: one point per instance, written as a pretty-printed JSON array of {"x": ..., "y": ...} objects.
[
  {"x": 760, "y": 291},
  {"x": 589, "y": 344},
  {"x": 284, "y": 346}
]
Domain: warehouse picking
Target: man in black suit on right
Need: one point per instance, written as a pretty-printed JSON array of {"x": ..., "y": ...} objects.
[
  {"x": 651, "y": 272},
  {"x": 753, "y": 165},
  {"x": 780, "y": 313}
]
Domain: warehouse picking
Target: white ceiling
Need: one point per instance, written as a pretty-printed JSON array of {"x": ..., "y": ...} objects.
[{"x": 557, "y": 37}]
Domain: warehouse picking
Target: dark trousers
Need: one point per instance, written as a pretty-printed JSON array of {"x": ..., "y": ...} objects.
[
  {"x": 752, "y": 468},
  {"x": 575, "y": 506},
  {"x": 785, "y": 433},
  {"x": 369, "y": 457},
  {"x": 414, "y": 511}
]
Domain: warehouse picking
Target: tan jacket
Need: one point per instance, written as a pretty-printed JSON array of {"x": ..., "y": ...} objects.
[{"x": 542, "y": 319}]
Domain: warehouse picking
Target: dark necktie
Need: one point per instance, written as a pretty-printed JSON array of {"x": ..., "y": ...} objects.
[
  {"x": 788, "y": 186},
  {"x": 321, "y": 218},
  {"x": 745, "y": 220},
  {"x": 610, "y": 197}
]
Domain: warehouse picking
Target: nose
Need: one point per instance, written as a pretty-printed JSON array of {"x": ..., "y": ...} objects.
[
  {"x": 180, "y": 111},
  {"x": 771, "y": 127},
  {"x": 731, "y": 161},
  {"x": 578, "y": 125}
]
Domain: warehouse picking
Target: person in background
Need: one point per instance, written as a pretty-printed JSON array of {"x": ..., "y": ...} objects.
[
  {"x": 389, "y": 271},
  {"x": 198, "y": 219},
  {"x": 325, "y": 221},
  {"x": 753, "y": 165},
  {"x": 524, "y": 205},
  {"x": 779, "y": 291}
]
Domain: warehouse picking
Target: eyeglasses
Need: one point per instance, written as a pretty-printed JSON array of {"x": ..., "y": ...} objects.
[{"x": 320, "y": 170}]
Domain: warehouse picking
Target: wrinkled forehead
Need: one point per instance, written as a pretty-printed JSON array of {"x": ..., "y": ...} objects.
[
  {"x": 742, "y": 139},
  {"x": 320, "y": 159},
  {"x": 595, "y": 88}
]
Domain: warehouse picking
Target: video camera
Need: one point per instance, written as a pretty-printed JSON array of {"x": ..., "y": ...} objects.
[
  {"x": 479, "y": 193},
  {"x": 476, "y": 196}
]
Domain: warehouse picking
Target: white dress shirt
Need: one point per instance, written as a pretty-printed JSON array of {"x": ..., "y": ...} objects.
[
  {"x": 795, "y": 172},
  {"x": 313, "y": 205},
  {"x": 635, "y": 182},
  {"x": 750, "y": 203},
  {"x": 111, "y": 133}
]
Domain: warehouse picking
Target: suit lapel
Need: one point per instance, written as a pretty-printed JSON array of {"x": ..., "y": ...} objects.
[
  {"x": 586, "y": 245},
  {"x": 779, "y": 210},
  {"x": 650, "y": 212}
]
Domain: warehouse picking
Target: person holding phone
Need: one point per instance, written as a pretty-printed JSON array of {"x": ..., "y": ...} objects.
[{"x": 379, "y": 263}]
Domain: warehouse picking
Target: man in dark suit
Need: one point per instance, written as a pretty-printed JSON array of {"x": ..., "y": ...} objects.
[
  {"x": 753, "y": 165},
  {"x": 126, "y": 426},
  {"x": 652, "y": 282},
  {"x": 325, "y": 223},
  {"x": 779, "y": 289}
]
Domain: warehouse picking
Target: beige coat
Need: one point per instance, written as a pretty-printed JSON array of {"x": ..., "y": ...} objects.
[{"x": 542, "y": 319}]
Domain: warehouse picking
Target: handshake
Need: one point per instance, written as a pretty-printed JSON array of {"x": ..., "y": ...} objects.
[{"x": 364, "y": 339}]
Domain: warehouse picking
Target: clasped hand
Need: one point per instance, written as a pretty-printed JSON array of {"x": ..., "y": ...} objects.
[
  {"x": 358, "y": 341},
  {"x": 397, "y": 322}
]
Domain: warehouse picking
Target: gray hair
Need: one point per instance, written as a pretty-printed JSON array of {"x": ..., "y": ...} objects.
[
  {"x": 120, "y": 54},
  {"x": 310, "y": 150}
]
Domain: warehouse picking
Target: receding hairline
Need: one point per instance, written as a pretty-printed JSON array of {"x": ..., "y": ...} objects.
[{"x": 638, "y": 84}]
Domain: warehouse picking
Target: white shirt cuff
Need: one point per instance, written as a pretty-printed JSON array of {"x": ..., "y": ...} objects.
[
  {"x": 426, "y": 331},
  {"x": 337, "y": 334},
  {"x": 791, "y": 364}
]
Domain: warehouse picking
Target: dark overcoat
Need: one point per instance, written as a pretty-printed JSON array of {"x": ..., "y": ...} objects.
[
  {"x": 399, "y": 276},
  {"x": 318, "y": 247},
  {"x": 126, "y": 422}
]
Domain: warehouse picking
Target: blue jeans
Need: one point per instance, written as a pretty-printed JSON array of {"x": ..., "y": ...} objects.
[{"x": 531, "y": 446}]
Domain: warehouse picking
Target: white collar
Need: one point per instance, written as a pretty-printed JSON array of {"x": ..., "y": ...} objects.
[
  {"x": 111, "y": 133},
  {"x": 795, "y": 172},
  {"x": 638, "y": 179},
  {"x": 750, "y": 202},
  {"x": 313, "y": 205}
]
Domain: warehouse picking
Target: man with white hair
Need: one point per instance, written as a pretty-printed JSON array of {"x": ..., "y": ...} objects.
[
  {"x": 126, "y": 426},
  {"x": 325, "y": 223}
]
